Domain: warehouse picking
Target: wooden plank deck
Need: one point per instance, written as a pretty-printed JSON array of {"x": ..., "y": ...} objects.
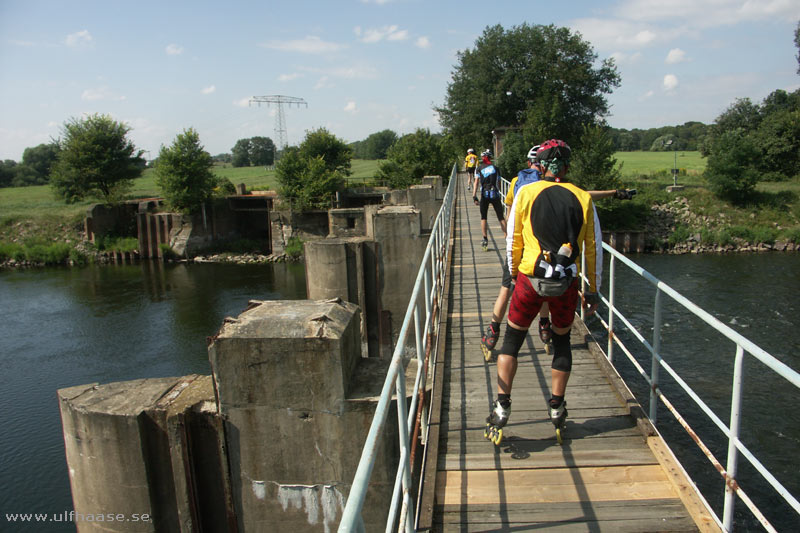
[{"x": 607, "y": 476}]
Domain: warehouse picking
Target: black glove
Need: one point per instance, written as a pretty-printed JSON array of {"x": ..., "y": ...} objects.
[
  {"x": 590, "y": 302},
  {"x": 624, "y": 194}
]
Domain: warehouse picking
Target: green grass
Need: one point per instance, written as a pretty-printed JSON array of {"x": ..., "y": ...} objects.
[
  {"x": 40, "y": 202},
  {"x": 637, "y": 163}
]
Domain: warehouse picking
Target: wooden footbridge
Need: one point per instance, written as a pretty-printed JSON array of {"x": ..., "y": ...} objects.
[{"x": 613, "y": 472}]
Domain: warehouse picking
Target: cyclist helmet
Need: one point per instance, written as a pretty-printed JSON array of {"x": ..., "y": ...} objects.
[
  {"x": 470, "y": 151},
  {"x": 554, "y": 149},
  {"x": 532, "y": 153},
  {"x": 486, "y": 153}
]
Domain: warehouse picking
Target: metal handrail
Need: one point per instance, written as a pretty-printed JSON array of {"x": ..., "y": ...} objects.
[
  {"x": 430, "y": 279},
  {"x": 731, "y": 431}
]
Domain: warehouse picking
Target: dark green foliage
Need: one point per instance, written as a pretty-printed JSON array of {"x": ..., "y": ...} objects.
[
  {"x": 593, "y": 166},
  {"x": 515, "y": 155},
  {"x": 310, "y": 175},
  {"x": 183, "y": 172},
  {"x": 681, "y": 234},
  {"x": 241, "y": 153},
  {"x": 686, "y": 137},
  {"x": 95, "y": 159},
  {"x": 730, "y": 172},
  {"x": 321, "y": 143},
  {"x": 375, "y": 146},
  {"x": 294, "y": 248},
  {"x": 262, "y": 151},
  {"x": 413, "y": 156},
  {"x": 543, "y": 76},
  {"x": 40, "y": 159}
]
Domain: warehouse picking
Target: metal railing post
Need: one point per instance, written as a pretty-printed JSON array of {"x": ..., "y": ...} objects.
[
  {"x": 733, "y": 437},
  {"x": 402, "y": 414},
  {"x": 583, "y": 284},
  {"x": 655, "y": 365},
  {"x": 611, "y": 285}
]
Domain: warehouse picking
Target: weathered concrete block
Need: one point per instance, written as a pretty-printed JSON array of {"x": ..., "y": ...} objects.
[
  {"x": 346, "y": 222},
  {"x": 123, "y": 458},
  {"x": 284, "y": 372}
]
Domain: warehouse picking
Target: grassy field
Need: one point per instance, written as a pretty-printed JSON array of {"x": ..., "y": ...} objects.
[
  {"x": 39, "y": 201},
  {"x": 633, "y": 164}
]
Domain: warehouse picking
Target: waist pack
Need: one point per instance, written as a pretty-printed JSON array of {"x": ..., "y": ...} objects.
[
  {"x": 550, "y": 288},
  {"x": 491, "y": 194}
]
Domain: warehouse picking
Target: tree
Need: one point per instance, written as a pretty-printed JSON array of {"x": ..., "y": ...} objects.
[
  {"x": 40, "y": 159},
  {"x": 309, "y": 175},
  {"x": 515, "y": 155},
  {"x": 730, "y": 170},
  {"x": 95, "y": 158},
  {"x": 797, "y": 44},
  {"x": 183, "y": 172},
  {"x": 335, "y": 152},
  {"x": 593, "y": 166},
  {"x": 262, "y": 151},
  {"x": 413, "y": 156},
  {"x": 241, "y": 153},
  {"x": 377, "y": 144},
  {"x": 543, "y": 76}
]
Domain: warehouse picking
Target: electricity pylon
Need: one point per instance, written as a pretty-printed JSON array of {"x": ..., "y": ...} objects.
[{"x": 280, "y": 123}]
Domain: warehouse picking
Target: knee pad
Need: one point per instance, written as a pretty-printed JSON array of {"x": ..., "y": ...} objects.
[
  {"x": 562, "y": 352},
  {"x": 512, "y": 341}
]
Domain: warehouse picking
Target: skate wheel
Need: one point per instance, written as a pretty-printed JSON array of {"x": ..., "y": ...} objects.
[
  {"x": 558, "y": 436},
  {"x": 498, "y": 437},
  {"x": 548, "y": 348}
]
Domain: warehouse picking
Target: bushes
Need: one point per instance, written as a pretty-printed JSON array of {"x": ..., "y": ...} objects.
[{"x": 37, "y": 252}]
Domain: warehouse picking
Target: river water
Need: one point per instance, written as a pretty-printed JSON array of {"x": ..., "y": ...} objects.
[{"x": 64, "y": 327}]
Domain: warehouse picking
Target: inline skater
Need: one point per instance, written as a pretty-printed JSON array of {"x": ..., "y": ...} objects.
[
  {"x": 489, "y": 178},
  {"x": 470, "y": 162},
  {"x": 549, "y": 223}
]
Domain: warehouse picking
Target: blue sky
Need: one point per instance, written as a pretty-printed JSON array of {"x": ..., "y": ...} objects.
[{"x": 362, "y": 65}]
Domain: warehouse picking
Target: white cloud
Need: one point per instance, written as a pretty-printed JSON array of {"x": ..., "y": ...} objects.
[
  {"x": 621, "y": 58},
  {"x": 379, "y": 2},
  {"x": 81, "y": 38},
  {"x": 670, "y": 82},
  {"x": 289, "y": 77},
  {"x": 173, "y": 49},
  {"x": 619, "y": 34},
  {"x": 323, "y": 83},
  {"x": 242, "y": 102},
  {"x": 423, "y": 42},
  {"x": 374, "y": 35},
  {"x": 708, "y": 13},
  {"x": 101, "y": 93},
  {"x": 350, "y": 107},
  {"x": 310, "y": 45},
  {"x": 211, "y": 89},
  {"x": 646, "y": 96},
  {"x": 676, "y": 55}
]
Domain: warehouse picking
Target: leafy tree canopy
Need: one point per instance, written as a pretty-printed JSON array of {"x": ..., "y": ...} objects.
[
  {"x": 730, "y": 171},
  {"x": 375, "y": 146},
  {"x": 416, "y": 155},
  {"x": 262, "y": 151},
  {"x": 40, "y": 159},
  {"x": 310, "y": 174},
  {"x": 543, "y": 76},
  {"x": 336, "y": 154},
  {"x": 241, "y": 153},
  {"x": 95, "y": 158},
  {"x": 593, "y": 166},
  {"x": 183, "y": 172}
]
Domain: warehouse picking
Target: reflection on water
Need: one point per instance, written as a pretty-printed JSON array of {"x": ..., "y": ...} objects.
[
  {"x": 66, "y": 327},
  {"x": 754, "y": 294}
]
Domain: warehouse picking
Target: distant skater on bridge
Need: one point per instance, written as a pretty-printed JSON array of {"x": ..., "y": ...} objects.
[
  {"x": 488, "y": 176},
  {"x": 470, "y": 163},
  {"x": 549, "y": 223}
]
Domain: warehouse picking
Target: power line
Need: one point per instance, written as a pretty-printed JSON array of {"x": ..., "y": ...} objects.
[{"x": 280, "y": 123}]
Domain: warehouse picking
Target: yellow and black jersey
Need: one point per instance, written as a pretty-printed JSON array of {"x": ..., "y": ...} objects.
[
  {"x": 544, "y": 217},
  {"x": 471, "y": 160}
]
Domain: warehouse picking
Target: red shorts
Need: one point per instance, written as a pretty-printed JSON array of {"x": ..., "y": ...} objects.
[{"x": 526, "y": 303}]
